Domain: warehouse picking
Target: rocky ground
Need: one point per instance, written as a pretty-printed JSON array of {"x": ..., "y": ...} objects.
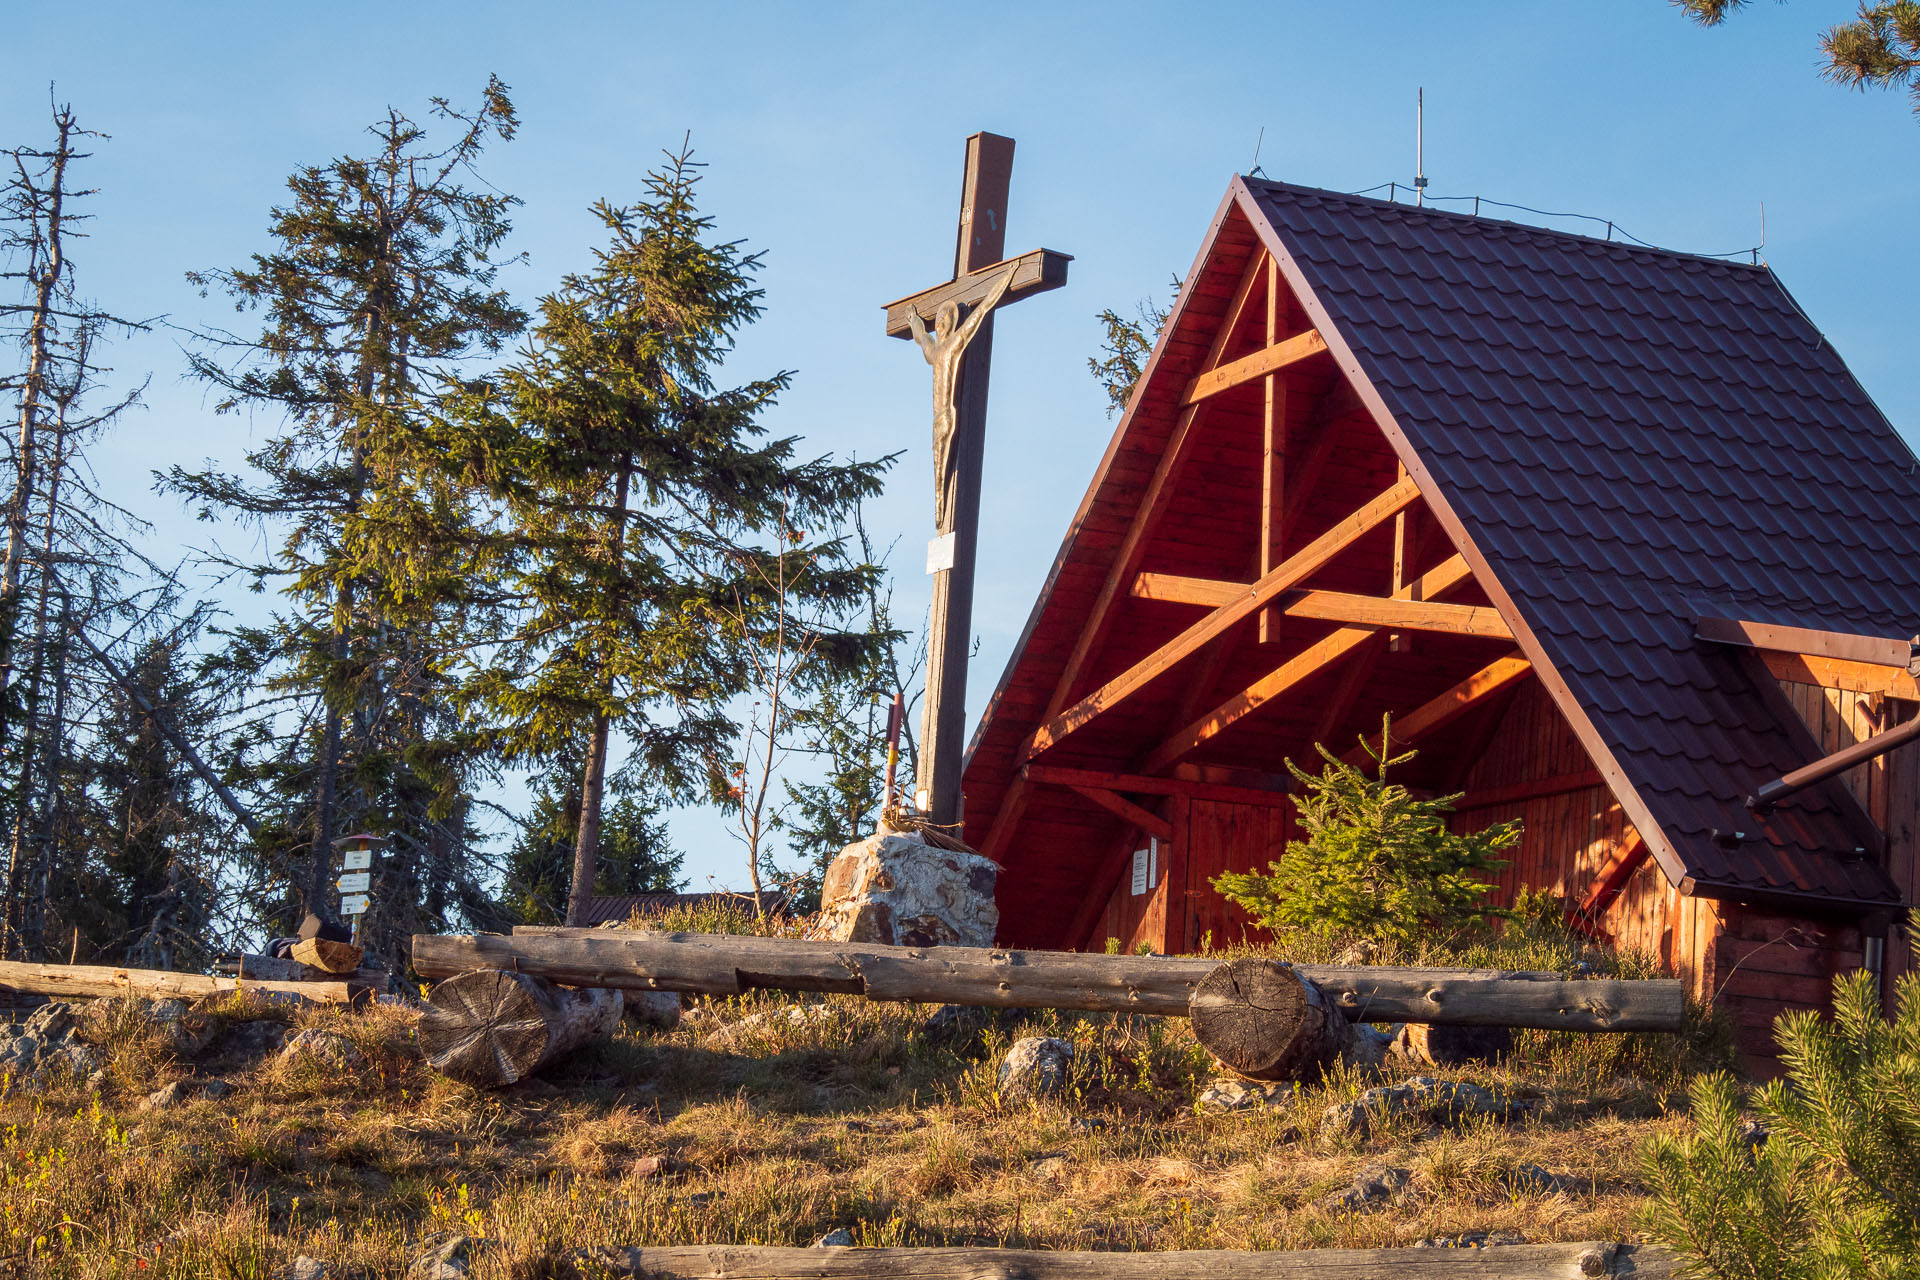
[{"x": 239, "y": 1139}]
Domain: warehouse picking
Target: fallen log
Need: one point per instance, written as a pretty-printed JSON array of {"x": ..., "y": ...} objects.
[
  {"x": 493, "y": 1028},
  {"x": 726, "y": 965},
  {"x": 256, "y": 968},
  {"x": 1500, "y": 1262},
  {"x": 92, "y": 981},
  {"x": 1265, "y": 1021}
]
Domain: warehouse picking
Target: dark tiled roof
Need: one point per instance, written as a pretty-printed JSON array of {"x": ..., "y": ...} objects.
[{"x": 1634, "y": 438}]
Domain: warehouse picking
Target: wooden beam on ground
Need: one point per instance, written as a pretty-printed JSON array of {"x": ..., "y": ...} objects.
[
  {"x": 1595, "y": 1261},
  {"x": 1840, "y": 673},
  {"x": 1316, "y": 658},
  {"x": 1461, "y": 698},
  {"x": 1297, "y": 566},
  {"x": 729, "y": 964},
  {"x": 1288, "y": 351},
  {"x": 93, "y": 981},
  {"x": 1808, "y": 642},
  {"x": 1151, "y": 823},
  {"x": 1336, "y": 606},
  {"x": 1033, "y": 273},
  {"x": 1140, "y": 784}
]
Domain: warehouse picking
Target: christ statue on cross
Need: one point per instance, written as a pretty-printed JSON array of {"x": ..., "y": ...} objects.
[{"x": 943, "y": 349}]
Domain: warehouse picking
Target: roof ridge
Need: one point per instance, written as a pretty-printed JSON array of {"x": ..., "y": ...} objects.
[{"x": 1481, "y": 221}]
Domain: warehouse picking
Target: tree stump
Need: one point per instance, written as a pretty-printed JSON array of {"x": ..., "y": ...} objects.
[
  {"x": 493, "y": 1028},
  {"x": 1260, "y": 1018},
  {"x": 327, "y": 955}
]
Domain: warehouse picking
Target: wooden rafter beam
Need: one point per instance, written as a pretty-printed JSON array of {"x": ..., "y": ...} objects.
[
  {"x": 1458, "y": 700},
  {"x": 1314, "y": 659},
  {"x": 1288, "y": 351},
  {"x": 1335, "y": 606},
  {"x": 1050, "y": 775},
  {"x": 1307, "y": 560},
  {"x": 1903, "y": 655},
  {"x": 1838, "y": 673},
  {"x": 1135, "y": 816}
]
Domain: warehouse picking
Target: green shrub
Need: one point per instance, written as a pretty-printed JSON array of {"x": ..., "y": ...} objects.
[
  {"x": 1377, "y": 862},
  {"x": 1833, "y": 1188}
]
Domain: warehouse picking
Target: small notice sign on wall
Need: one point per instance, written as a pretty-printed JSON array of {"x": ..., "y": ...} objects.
[{"x": 1146, "y": 868}]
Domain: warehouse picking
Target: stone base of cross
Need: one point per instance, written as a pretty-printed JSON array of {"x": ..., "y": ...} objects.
[{"x": 953, "y": 325}]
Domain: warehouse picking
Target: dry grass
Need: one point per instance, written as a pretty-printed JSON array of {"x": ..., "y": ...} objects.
[{"x": 777, "y": 1127}]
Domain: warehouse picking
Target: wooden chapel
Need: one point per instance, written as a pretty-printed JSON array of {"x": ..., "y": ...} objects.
[{"x": 1611, "y": 531}]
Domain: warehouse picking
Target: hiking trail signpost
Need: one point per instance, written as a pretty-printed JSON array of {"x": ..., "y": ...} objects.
[
  {"x": 355, "y": 882},
  {"x": 952, "y": 324}
]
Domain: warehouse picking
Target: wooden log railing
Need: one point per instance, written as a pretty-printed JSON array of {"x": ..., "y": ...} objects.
[
  {"x": 1591, "y": 1261},
  {"x": 726, "y": 965},
  {"x": 91, "y": 981}
]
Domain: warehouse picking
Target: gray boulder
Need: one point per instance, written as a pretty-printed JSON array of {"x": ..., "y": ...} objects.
[
  {"x": 327, "y": 1047},
  {"x": 1433, "y": 1101},
  {"x": 1372, "y": 1187},
  {"x": 184, "y": 1091},
  {"x": 898, "y": 890},
  {"x": 1034, "y": 1068},
  {"x": 838, "y": 1238},
  {"x": 659, "y": 1009},
  {"x": 448, "y": 1259},
  {"x": 1228, "y": 1094}
]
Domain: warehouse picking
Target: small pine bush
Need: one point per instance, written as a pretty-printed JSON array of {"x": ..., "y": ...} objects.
[
  {"x": 1832, "y": 1189},
  {"x": 1377, "y": 863}
]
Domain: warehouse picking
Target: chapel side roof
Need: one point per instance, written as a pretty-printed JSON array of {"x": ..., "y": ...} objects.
[{"x": 1633, "y": 438}]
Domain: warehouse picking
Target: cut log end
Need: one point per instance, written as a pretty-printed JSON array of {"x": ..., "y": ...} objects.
[
  {"x": 494, "y": 1028},
  {"x": 327, "y": 955},
  {"x": 1261, "y": 1019}
]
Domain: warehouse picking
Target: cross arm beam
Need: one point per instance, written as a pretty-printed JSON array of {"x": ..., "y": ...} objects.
[
  {"x": 1336, "y": 606},
  {"x": 1035, "y": 272},
  {"x": 1135, "y": 816},
  {"x": 1307, "y": 560}
]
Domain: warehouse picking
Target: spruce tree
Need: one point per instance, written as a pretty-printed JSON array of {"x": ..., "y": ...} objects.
[
  {"x": 1378, "y": 862},
  {"x": 380, "y": 286},
  {"x": 639, "y": 498}
]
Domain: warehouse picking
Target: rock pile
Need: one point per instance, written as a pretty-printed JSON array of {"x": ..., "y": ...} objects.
[
  {"x": 1034, "y": 1068},
  {"x": 1431, "y": 1100},
  {"x": 898, "y": 890},
  {"x": 44, "y": 1046}
]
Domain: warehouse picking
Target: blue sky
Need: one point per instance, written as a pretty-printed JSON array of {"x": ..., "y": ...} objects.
[{"x": 834, "y": 138}]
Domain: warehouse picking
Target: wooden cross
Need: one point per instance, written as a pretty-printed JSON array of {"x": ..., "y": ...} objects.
[{"x": 960, "y": 349}]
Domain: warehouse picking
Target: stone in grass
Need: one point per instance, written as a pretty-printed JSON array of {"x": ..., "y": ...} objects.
[
  {"x": 838, "y": 1238},
  {"x": 1372, "y": 1187},
  {"x": 659, "y": 1009},
  {"x": 328, "y": 1048},
  {"x": 1228, "y": 1094},
  {"x": 449, "y": 1258},
  {"x": 184, "y": 1091},
  {"x": 1034, "y": 1068},
  {"x": 649, "y": 1167},
  {"x": 1428, "y": 1099},
  {"x": 305, "y": 1268},
  {"x": 247, "y": 1041}
]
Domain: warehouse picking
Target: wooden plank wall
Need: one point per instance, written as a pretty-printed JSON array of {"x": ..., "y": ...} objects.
[
  {"x": 1217, "y": 837},
  {"x": 1888, "y": 787}
]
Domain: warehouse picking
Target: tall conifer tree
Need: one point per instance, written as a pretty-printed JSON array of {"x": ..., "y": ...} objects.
[
  {"x": 640, "y": 500},
  {"x": 381, "y": 283}
]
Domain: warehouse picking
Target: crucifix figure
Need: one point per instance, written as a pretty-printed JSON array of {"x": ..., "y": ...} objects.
[
  {"x": 944, "y": 349},
  {"x": 960, "y": 349}
]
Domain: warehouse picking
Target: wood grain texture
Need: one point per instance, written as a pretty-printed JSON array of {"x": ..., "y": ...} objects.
[
  {"x": 1300, "y": 346},
  {"x": 1260, "y": 1018},
  {"x": 1586, "y": 1261},
  {"x": 725, "y": 965},
  {"x": 494, "y": 1028},
  {"x": 1333, "y": 606}
]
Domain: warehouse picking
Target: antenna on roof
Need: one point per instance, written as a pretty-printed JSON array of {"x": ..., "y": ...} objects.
[
  {"x": 1420, "y": 147},
  {"x": 1256, "y": 172}
]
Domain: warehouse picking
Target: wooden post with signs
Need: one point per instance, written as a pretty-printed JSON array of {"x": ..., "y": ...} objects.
[
  {"x": 355, "y": 882},
  {"x": 959, "y": 346}
]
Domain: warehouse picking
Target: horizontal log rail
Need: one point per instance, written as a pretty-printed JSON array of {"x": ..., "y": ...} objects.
[
  {"x": 728, "y": 965},
  {"x": 1587, "y": 1261},
  {"x": 92, "y": 981}
]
